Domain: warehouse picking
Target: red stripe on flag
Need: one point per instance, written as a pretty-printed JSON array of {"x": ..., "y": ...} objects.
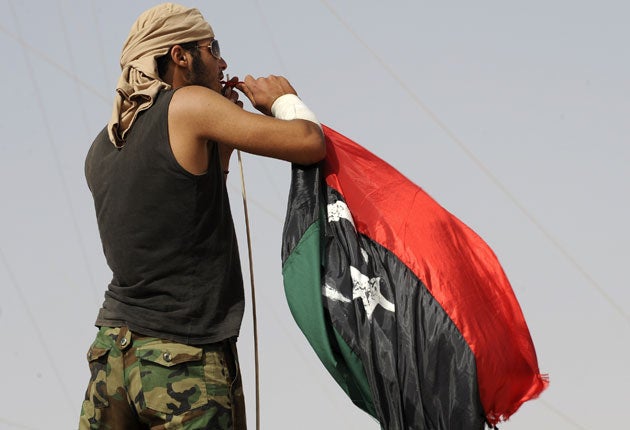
[{"x": 456, "y": 265}]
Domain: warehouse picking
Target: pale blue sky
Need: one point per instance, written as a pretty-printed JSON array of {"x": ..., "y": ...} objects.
[{"x": 514, "y": 116}]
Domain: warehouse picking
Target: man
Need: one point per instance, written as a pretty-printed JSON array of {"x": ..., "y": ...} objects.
[{"x": 165, "y": 355}]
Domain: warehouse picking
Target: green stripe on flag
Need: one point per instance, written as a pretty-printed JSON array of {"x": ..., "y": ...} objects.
[{"x": 303, "y": 289}]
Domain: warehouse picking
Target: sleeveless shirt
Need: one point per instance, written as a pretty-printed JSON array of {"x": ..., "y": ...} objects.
[{"x": 167, "y": 235}]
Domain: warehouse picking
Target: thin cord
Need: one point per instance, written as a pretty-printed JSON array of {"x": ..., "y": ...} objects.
[
  {"x": 251, "y": 278},
  {"x": 591, "y": 281}
]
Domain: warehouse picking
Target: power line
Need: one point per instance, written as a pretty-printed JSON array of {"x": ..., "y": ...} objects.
[
  {"x": 40, "y": 336},
  {"x": 55, "y": 152},
  {"x": 591, "y": 281},
  {"x": 562, "y": 415},
  {"x": 2, "y": 256},
  {"x": 265, "y": 23},
  {"x": 434, "y": 118},
  {"x": 66, "y": 38},
  {"x": 43, "y": 56},
  {"x": 15, "y": 425},
  {"x": 460, "y": 144},
  {"x": 272, "y": 213},
  {"x": 79, "y": 82},
  {"x": 66, "y": 193},
  {"x": 101, "y": 49}
]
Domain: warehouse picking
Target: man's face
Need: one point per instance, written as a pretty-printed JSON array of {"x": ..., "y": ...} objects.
[{"x": 206, "y": 70}]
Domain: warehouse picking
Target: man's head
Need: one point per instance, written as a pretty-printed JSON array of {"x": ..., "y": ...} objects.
[
  {"x": 193, "y": 63},
  {"x": 160, "y": 28},
  {"x": 156, "y": 32}
]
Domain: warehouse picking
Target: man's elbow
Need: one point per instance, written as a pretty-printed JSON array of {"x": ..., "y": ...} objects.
[
  {"x": 316, "y": 151},
  {"x": 319, "y": 147},
  {"x": 309, "y": 144},
  {"x": 321, "y": 153}
]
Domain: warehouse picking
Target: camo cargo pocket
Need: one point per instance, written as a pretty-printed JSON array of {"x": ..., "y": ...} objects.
[
  {"x": 172, "y": 377},
  {"x": 96, "y": 392}
]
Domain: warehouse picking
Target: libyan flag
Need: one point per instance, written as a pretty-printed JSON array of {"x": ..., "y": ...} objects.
[{"x": 407, "y": 308}]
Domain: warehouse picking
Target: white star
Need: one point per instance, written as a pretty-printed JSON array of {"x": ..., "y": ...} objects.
[
  {"x": 333, "y": 294},
  {"x": 369, "y": 290},
  {"x": 339, "y": 210}
]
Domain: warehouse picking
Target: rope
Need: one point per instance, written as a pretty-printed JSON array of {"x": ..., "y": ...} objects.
[{"x": 251, "y": 277}]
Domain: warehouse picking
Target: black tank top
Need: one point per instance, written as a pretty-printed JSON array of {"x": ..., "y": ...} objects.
[{"x": 168, "y": 237}]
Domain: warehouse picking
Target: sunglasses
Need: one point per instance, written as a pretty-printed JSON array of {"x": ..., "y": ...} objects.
[{"x": 214, "y": 48}]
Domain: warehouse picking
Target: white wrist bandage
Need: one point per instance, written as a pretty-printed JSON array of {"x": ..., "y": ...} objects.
[{"x": 289, "y": 106}]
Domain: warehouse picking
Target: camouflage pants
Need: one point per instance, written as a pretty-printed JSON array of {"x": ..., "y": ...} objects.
[{"x": 140, "y": 382}]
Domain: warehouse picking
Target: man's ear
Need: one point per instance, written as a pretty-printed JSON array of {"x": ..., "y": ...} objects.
[{"x": 179, "y": 55}]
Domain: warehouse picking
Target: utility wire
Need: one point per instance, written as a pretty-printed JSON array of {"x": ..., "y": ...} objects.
[
  {"x": 40, "y": 336},
  {"x": 572, "y": 260},
  {"x": 73, "y": 65},
  {"x": 82, "y": 246},
  {"x": 562, "y": 415},
  {"x": 460, "y": 144},
  {"x": 55, "y": 152},
  {"x": 101, "y": 49},
  {"x": 265, "y": 23},
  {"x": 15, "y": 425},
  {"x": 277, "y": 217},
  {"x": 458, "y": 141},
  {"x": 43, "y": 56},
  {"x": 68, "y": 201},
  {"x": 418, "y": 101},
  {"x": 323, "y": 384}
]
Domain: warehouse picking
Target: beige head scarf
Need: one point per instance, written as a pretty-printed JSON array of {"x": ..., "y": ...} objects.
[{"x": 151, "y": 36}]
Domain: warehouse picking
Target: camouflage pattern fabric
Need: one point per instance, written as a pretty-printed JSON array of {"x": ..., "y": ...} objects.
[{"x": 140, "y": 382}]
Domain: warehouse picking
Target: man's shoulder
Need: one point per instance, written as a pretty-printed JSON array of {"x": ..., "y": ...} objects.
[
  {"x": 193, "y": 92},
  {"x": 195, "y": 101}
]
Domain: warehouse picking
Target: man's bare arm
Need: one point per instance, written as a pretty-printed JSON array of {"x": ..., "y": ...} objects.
[{"x": 198, "y": 114}]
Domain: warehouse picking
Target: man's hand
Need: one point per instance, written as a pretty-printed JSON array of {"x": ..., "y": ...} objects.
[
  {"x": 262, "y": 92},
  {"x": 229, "y": 93}
]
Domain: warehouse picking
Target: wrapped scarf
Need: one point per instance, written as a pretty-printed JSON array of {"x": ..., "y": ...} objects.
[{"x": 150, "y": 37}]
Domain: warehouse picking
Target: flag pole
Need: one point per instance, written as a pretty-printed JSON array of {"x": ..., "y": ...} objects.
[{"x": 253, "y": 291}]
